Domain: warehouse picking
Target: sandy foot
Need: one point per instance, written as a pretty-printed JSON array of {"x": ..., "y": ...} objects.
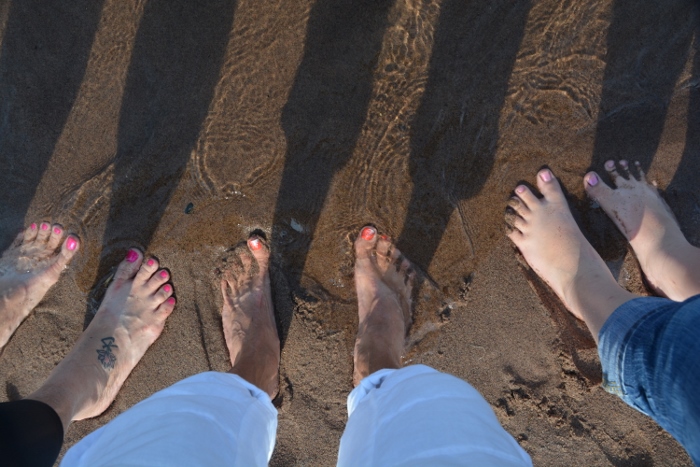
[
  {"x": 384, "y": 282},
  {"x": 670, "y": 263},
  {"x": 249, "y": 319},
  {"x": 551, "y": 242},
  {"x": 129, "y": 320},
  {"x": 28, "y": 269}
]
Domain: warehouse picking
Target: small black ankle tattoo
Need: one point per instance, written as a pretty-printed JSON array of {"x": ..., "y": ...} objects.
[{"x": 105, "y": 355}]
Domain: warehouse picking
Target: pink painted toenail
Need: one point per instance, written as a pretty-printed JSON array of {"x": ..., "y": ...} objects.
[
  {"x": 57, "y": 230},
  {"x": 592, "y": 180},
  {"x": 546, "y": 176},
  {"x": 132, "y": 256},
  {"x": 150, "y": 262},
  {"x": 44, "y": 226},
  {"x": 33, "y": 226},
  {"x": 167, "y": 288},
  {"x": 255, "y": 244},
  {"x": 164, "y": 274},
  {"x": 520, "y": 189},
  {"x": 171, "y": 301},
  {"x": 368, "y": 233},
  {"x": 623, "y": 163},
  {"x": 610, "y": 165},
  {"x": 71, "y": 243}
]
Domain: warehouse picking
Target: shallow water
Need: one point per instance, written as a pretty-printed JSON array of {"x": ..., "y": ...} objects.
[{"x": 180, "y": 129}]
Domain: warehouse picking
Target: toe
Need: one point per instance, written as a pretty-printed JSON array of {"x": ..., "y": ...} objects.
[
  {"x": 640, "y": 171},
  {"x": 515, "y": 221},
  {"x": 68, "y": 250},
  {"x": 128, "y": 268},
  {"x": 595, "y": 187},
  {"x": 164, "y": 293},
  {"x": 624, "y": 168},
  {"x": 611, "y": 168},
  {"x": 157, "y": 280},
  {"x": 385, "y": 247},
  {"x": 365, "y": 242},
  {"x": 514, "y": 234},
  {"x": 30, "y": 233},
  {"x": 518, "y": 206},
  {"x": 146, "y": 271},
  {"x": 55, "y": 237},
  {"x": 526, "y": 196},
  {"x": 259, "y": 250},
  {"x": 167, "y": 307},
  {"x": 44, "y": 232},
  {"x": 549, "y": 186}
]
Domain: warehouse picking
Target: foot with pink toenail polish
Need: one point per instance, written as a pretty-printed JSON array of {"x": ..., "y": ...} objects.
[
  {"x": 28, "y": 269},
  {"x": 551, "y": 242},
  {"x": 248, "y": 316},
  {"x": 130, "y": 318},
  {"x": 384, "y": 283},
  {"x": 669, "y": 262}
]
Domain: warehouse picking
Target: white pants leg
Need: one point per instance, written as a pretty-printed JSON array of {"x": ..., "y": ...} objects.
[
  {"x": 209, "y": 419},
  {"x": 417, "y": 416}
]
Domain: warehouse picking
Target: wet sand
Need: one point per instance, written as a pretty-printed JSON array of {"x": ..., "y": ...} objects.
[{"x": 181, "y": 128}]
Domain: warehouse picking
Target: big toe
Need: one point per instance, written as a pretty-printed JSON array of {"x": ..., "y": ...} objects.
[
  {"x": 260, "y": 250},
  {"x": 549, "y": 186},
  {"x": 130, "y": 265},
  {"x": 365, "y": 242},
  {"x": 596, "y": 188},
  {"x": 68, "y": 250}
]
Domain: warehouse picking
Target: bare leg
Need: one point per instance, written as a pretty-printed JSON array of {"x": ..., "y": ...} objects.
[
  {"x": 249, "y": 319},
  {"x": 547, "y": 235},
  {"x": 670, "y": 263},
  {"x": 384, "y": 282},
  {"x": 28, "y": 269},
  {"x": 129, "y": 320}
]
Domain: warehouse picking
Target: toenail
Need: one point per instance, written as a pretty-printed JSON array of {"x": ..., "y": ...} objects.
[
  {"x": 167, "y": 288},
  {"x": 164, "y": 274},
  {"x": 520, "y": 189},
  {"x": 623, "y": 163},
  {"x": 255, "y": 244},
  {"x": 33, "y": 226},
  {"x": 132, "y": 256},
  {"x": 171, "y": 301},
  {"x": 610, "y": 165},
  {"x": 150, "y": 262},
  {"x": 57, "y": 230},
  {"x": 546, "y": 175},
  {"x": 71, "y": 243},
  {"x": 368, "y": 233},
  {"x": 44, "y": 226},
  {"x": 592, "y": 180},
  {"x": 384, "y": 237}
]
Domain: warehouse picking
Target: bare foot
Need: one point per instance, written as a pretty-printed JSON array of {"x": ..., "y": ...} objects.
[
  {"x": 670, "y": 263},
  {"x": 551, "y": 242},
  {"x": 384, "y": 282},
  {"x": 129, "y": 320},
  {"x": 28, "y": 269},
  {"x": 249, "y": 319}
]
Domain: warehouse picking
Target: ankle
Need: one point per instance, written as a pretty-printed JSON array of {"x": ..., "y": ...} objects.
[{"x": 599, "y": 304}]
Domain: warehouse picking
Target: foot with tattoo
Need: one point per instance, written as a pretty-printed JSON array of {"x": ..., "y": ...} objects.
[
  {"x": 131, "y": 317},
  {"x": 28, "y": 269},
  {"x": 384, "y": 282},
  {"x": 551, "y": 242},
  {"x": 249, "y": 318},
  {"x": 670, "y": 263}
]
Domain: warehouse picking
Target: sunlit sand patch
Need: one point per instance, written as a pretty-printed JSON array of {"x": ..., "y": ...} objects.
[{"x": 243, "y": 118}]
